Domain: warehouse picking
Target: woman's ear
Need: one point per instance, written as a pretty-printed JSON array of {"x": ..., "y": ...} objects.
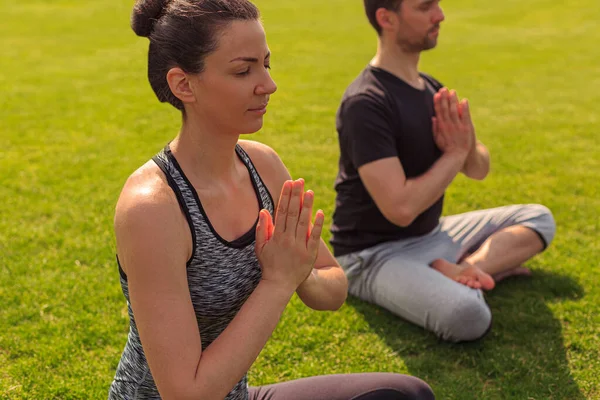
[{"x": 179, "y": 84}]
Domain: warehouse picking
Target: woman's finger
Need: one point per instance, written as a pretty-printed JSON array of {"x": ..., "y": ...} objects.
[
  {"x": 262, "y": 230},
  {"x": 293, "y": 212},
  {"x": 305, "y": 216},
  {"x": 282, "y": 207},
  {"x": 314, "y": 240},
  {"x": 271, "y": 226}
]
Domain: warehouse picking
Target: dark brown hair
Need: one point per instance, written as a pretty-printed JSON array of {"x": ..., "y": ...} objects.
[
  {"x": 371, "y": 7},
  {"x": 182, "y": 33}
]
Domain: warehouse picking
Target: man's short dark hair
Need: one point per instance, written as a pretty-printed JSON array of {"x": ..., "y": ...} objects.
[{"x": 371, "y": 7}]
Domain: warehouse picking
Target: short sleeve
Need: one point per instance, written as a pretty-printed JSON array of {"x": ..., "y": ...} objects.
[{"x": 366, "y": 127}]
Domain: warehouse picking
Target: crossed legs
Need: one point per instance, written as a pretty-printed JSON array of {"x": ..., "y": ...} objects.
[
  {"x": 514, "y": 235},
  {"x": 467, "y": 252}
]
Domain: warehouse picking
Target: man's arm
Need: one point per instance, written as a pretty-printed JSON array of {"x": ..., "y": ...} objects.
[
  {"x": 401, "y": 200},
  {"x": 477, "y": 164}
]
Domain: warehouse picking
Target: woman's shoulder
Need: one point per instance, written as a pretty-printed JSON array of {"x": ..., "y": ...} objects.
[
  {"x": 264, "y": 158},
  {"x": 150, "y": 228},
  {"x": 259, "y": 152},
  {"x": 268, "y": 164},
  {"x": 146, "y": 195}
]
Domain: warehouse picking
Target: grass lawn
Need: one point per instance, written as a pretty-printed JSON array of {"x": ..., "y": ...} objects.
[{"x": 77, "y": 116}]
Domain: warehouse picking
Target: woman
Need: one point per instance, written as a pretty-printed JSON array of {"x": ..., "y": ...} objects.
[{"x": 206, "y": 270}]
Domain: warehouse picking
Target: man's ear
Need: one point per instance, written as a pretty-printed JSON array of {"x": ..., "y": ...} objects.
[
  {"x": 387, "y": 19},
  {"x": 179, "y": 84}
]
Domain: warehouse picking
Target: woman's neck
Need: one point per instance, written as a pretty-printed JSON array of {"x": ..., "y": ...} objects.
[{"x": 205, "y": 153}]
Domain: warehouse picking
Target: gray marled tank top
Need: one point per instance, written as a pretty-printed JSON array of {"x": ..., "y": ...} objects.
[{"x": 221, "y": 276}]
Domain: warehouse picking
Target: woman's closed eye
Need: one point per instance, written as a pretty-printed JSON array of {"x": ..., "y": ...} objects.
[
  {"x": 244, "y": 73},
  {"x": 247, "y": 71}
]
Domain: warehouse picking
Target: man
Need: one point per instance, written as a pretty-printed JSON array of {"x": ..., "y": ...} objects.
[{"x": 403, "y": 138}]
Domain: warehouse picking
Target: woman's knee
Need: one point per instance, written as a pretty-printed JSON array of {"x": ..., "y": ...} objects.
[
  {"x": 418, "y": 390},
  {"x": 398, "y": 387},
  {"x": 467, "y": 319}
]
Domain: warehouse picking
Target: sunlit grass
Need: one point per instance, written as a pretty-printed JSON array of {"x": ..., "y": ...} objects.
[{"x": 78, "y": 116}]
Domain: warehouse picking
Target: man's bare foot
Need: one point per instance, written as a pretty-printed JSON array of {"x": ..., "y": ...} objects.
[
  {"x": 469, "y": 275},
  {"x": 519, "y": 271},
  {"x": 500, "y": 276}
]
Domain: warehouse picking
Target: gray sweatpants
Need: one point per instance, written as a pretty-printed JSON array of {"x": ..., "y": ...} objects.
[{"x": 396, "y": 275}]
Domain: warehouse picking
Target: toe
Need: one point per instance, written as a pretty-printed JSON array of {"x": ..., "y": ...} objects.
[{"x": 487, "y": 282}]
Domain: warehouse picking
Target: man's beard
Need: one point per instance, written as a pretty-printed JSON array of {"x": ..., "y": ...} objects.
[{"x": 427, "y": 43}]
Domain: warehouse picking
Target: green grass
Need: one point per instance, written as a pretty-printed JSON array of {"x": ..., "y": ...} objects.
[{"x": 77, "y": 116}]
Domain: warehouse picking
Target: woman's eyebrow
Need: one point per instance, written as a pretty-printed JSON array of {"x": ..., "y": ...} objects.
[{"x": 250, "y": 59}]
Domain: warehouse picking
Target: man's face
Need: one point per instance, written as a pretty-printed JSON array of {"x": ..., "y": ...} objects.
[{"x": 419, "y": 24}]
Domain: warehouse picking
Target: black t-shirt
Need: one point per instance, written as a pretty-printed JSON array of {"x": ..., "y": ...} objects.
[{"x": 381, "y": 116}]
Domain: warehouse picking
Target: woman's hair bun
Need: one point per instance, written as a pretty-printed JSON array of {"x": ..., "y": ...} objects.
[{"x": 145, "y": 14}]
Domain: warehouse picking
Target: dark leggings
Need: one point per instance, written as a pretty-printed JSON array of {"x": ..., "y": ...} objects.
[{"x": 369, "y": 386}]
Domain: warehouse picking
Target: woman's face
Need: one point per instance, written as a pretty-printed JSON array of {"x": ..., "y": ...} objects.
[{"x": 233, "y": 90}]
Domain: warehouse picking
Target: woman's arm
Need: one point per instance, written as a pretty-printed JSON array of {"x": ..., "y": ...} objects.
[
  {"x": 326, "y": 288},
  {"x": 154, "y": 243}
]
